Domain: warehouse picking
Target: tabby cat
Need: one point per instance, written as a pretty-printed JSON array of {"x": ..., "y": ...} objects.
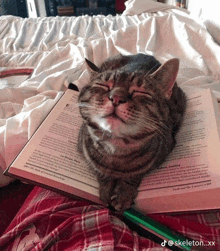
[{"x": 132, "y": 109}]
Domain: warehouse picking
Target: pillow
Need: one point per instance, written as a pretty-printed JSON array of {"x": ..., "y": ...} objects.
[
  {"x": 208, "y": 12},
  {"x": 213, "y": 27},
  {"x": 136, "y": 7}
]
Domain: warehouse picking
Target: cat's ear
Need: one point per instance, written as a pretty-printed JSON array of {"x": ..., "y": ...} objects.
[
  {"x": 166, "y": 75},
  {"x": 92, "y": 66}
]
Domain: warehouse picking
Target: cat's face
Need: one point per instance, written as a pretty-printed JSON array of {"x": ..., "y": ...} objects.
[{"x": 124, "y": 107}]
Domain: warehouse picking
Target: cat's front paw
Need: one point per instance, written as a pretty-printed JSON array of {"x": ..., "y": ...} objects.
[
  {"x": 123, "y": 196},
  {"x": 105, "y": 190},
  {"x": 117, "y": 192}
]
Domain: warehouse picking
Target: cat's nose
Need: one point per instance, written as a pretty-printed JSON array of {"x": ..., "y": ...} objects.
[{"x": 117, "y": 99}]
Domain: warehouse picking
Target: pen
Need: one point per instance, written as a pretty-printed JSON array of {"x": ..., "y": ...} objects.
[{"x": 157, "y": 229}]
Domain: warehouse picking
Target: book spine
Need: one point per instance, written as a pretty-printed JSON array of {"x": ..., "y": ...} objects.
[
  {"x": 22, "y": 8},
  {"x": 93, "y": 4},
  {"x": 89, "y": 11},
  {"x": 119, "y": 6},
  {"x": 51, "y": 7},
  {"x": 65, "y": 11}
]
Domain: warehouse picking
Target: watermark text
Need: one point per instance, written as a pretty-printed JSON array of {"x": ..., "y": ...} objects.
[{"x": 189, "y": 243}]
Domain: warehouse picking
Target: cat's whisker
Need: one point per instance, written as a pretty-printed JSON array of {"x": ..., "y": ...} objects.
[
  {"x": 103, "y": 134},
  {"x": 152, "y": 120},
  {"x": 85, "y": 105},
  {"x": 151, "y": 70},
  {"x": 152, "y": 124},
  {"x": 159, "y": 124},
  {"x": 158, "y": 127},
  {"x": 73, "y": 105}
]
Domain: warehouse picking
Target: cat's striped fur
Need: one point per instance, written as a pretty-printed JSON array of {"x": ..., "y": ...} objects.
[{"x": 132, "y": 109}]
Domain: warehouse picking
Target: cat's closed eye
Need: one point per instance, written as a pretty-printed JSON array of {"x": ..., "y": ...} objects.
[
  {"x": 141, "y": 93},
  {"x": 133, "y": 93},
  {"x": 104, "y": 86}
]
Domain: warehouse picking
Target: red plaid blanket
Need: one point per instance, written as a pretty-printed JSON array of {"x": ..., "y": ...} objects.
[{"x": 50, "y": 221}]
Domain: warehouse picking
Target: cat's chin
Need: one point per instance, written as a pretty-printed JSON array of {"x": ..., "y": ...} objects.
[
  {"x": 109, "y": 125},
  {"x": 114, "y": 122}
]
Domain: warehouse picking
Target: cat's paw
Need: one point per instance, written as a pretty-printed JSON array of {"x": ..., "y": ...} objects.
[
  {"x": 123, "y": 196},
  {"x": 105, "y": 190},
  {"x": 118, "y": 193}
]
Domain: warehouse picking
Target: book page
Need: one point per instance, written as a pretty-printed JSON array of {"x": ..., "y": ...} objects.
[
  {"x": 52, "y": 151},
  {"x": 194, "y": 162},
  {"x": 192, "y": 166}
]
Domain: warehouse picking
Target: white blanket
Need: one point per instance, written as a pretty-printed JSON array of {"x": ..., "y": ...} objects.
[{"x": 56, "y": 47}]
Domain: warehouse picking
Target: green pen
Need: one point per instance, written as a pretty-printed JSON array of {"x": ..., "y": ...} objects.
[{"x": 157, "y": 229}]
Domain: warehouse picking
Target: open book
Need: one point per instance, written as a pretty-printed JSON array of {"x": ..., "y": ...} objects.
[{"x": 188, "y": 180}]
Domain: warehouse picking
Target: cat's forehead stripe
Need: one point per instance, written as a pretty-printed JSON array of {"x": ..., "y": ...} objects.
[{"x": 108, "y": 76}]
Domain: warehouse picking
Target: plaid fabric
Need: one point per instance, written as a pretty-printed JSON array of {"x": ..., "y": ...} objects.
[{"x": 50, "y": 221}]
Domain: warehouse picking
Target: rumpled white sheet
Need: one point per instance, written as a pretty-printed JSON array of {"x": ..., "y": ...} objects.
[{"x": 56, "y": 48}]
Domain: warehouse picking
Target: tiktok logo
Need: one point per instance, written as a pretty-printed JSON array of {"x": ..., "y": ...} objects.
[{"x": 163, "y": 244}]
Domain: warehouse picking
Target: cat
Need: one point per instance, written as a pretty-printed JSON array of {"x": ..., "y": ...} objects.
[{"x": 131, "y": 110}]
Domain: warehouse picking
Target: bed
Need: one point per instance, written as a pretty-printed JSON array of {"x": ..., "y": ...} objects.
[{"x": 40, "y": 57}]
